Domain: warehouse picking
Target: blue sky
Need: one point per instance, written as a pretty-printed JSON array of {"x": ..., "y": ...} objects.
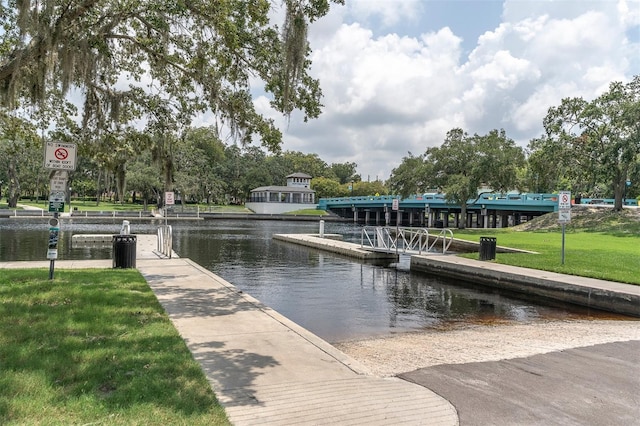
[{"x": 398, "y": 74}]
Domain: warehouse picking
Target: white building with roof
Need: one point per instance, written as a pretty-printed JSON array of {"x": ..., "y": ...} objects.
[{"x": 297, "y": 195}]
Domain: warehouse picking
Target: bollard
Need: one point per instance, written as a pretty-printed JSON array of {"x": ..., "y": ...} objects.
[
  {"x": 322, "y": 229},
  {"x": 126, "y": 229}
]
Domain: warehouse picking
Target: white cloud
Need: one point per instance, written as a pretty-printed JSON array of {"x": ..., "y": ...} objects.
[{"x": 388, "y": 93}]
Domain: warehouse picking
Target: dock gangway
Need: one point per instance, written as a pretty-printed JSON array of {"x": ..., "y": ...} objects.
[{"x": 394, "y": 239}]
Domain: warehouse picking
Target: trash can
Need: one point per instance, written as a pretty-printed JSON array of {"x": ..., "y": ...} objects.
[
  {"x": 124, "y": 251},
  {"x": 487, "y": 248}
]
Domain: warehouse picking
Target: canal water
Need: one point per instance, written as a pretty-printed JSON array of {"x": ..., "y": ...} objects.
[{"x": 335, "y": 297}]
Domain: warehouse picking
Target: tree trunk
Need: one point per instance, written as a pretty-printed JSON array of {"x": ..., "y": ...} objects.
[
  {"x": 462, "y": 221},
  {"x": 618, "y": 194},
  {"x": 98, "y": 189},
  {"x": 14, "y": 184},
  {"x": 120, "y": 178}
]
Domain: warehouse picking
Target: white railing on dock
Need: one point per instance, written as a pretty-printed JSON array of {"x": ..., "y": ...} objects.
[
  {"x": 406, "y": 240},
  {"x": 165, "y": 240}
]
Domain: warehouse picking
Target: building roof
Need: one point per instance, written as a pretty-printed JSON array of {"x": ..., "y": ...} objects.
[
  {"x": 299, "y": 175},
  {"x": 282, "y": 189}
]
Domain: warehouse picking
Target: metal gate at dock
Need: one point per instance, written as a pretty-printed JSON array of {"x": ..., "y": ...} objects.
[{"x": 406, "y": 240}]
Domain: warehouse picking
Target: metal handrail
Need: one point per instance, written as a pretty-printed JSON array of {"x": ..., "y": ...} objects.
[
  {"x": 404, "y": 240},
  {"x": 165, "y": 240}
]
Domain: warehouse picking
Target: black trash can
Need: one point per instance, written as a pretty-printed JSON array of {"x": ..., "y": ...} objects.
[
  {"x": 124, "y": 251},
  {"x": 487, "y": 248}
]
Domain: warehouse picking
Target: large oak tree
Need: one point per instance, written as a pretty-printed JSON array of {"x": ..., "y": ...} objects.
[
  {"x": 600, "y": 138},
  {"x": 461, "y": 166},
  {"x": 199, "y": 55}
]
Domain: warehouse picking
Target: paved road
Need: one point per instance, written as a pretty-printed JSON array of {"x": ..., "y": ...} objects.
[{"x": 595, "y": 385}]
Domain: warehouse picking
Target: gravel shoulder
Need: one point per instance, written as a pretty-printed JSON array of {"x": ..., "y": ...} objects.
[{"x": 395, "y": 354}]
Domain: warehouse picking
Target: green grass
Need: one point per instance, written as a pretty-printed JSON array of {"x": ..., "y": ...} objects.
[
  {"x": 94, "y": 347},
  {"x": 613, "y": 255},
  {"x": 108, "y": 206},
  {"x": 222, "y": 209},
  {"x": 308, "y": 212}
]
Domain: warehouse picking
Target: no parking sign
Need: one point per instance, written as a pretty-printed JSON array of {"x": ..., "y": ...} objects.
[{"x": 564, "y": 206}]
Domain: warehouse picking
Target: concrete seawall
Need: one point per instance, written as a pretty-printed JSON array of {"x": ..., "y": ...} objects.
[{"x": 593, "y": 293}]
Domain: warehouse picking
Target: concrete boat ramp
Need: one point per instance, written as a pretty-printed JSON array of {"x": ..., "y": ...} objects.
[{"x": 264, "y": 368}]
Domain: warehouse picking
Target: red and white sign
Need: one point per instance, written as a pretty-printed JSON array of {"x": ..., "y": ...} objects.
[
  {"x": 169, "y": 199},
  {"x": 564, "y": 207},
  {"x": 60, "y": 156},
  {"x": 395, "y": 204},
  {"x": 564, "y": 200}
]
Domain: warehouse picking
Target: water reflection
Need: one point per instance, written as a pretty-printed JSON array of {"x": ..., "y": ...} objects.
[{"x": 336, "y": 298}]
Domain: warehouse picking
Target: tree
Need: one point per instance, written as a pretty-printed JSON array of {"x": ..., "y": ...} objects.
[
  {"x": 345, "y": 172},
  {"x": 20, "y": 153},
  {"x": 326, "y": 188},
  {"x": 600, "y": 138},
  {"x": 411, "y": 176},
  {"x": 198, "y": 155},
  {"x": 201, "y": 54},
  {"x": 460, "y": 166}
]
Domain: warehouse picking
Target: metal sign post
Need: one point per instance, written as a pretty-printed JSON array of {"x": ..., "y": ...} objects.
[
  {"x": 52, "y": 250},
  {"x": 395, "y": 206},
  {"x": 60, "y": 158},
  {"x": 564, "y": 215}
]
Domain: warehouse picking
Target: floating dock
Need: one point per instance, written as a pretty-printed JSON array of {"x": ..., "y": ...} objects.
[{"x": 333, "y": 245}]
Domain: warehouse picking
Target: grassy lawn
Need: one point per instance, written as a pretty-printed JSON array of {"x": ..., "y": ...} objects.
[
  {"x": 107, "y": 206},
  {"x": 611, "y": 256},
  {"x": 308, "y": 212},
  {"x": 95, "y": 347}
]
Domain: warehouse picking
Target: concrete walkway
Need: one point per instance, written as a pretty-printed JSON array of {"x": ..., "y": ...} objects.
[{"x": 264, "y": 368}]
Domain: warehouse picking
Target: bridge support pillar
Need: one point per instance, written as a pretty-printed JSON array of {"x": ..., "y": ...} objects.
[
  {"x": 355, "y": 215},
  {"x": 367, "y": 214},
  {"x": 516, "y": 219},
  {"x": 377, "y": 217}
]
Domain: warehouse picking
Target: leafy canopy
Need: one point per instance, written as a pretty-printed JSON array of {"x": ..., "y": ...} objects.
[{"x": 135, "y": 56}]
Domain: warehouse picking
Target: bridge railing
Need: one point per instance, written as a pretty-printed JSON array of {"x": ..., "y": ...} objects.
[{"x": 405, "y": 240}]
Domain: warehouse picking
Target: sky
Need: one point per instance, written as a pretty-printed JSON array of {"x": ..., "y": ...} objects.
[{"x": 398, "y": 74}]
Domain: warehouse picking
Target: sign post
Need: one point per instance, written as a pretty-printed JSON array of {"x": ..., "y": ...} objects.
[
  {"x": 60, "y": 158},
  {"x": 564, "y": 215},
  {"x": 395, "y": 206}
]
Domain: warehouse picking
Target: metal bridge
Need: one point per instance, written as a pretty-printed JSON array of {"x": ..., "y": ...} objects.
[
  {"x": 488, "y": 210},
  {"x": 400, "y": 240}
]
